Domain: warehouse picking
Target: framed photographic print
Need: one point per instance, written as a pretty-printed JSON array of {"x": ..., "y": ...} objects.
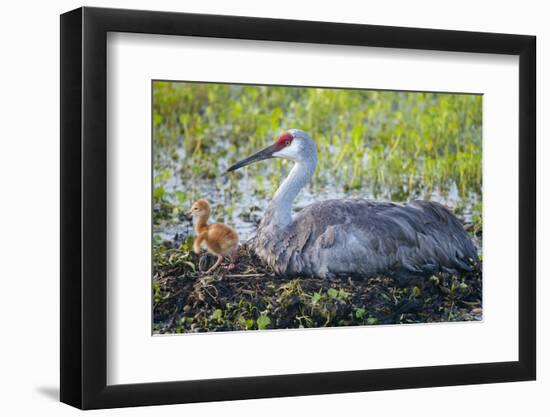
[{"x": 257, "y": 207}]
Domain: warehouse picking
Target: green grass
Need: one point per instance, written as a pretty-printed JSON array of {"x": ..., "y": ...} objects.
[{"x": 380, "y": 144}]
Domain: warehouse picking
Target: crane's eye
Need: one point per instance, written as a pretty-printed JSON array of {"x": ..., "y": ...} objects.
[{"x": 287, "y": 143}]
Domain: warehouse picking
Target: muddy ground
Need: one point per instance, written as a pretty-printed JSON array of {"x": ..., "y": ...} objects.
[{"x": 251, "y": 297}]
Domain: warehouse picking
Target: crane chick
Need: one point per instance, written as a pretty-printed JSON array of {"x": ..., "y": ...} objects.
[{"x": 220, "y": 239}]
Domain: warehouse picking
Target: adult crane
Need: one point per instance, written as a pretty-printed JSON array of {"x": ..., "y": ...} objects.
[{"x": 353, "y": 236}]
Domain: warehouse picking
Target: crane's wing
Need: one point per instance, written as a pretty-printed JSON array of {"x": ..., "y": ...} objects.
[{"x": 369, "y": 237}]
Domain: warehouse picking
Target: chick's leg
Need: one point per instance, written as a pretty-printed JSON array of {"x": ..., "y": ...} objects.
[
  {"x": 232, "y": 259},
  {"x": 218, "y": 262}
]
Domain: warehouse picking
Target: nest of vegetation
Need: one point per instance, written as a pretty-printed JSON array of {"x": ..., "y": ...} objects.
[{"x": 251, "y": 297}]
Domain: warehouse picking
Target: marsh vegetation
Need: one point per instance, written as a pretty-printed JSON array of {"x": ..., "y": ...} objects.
[{"x": 384, "y": 145}]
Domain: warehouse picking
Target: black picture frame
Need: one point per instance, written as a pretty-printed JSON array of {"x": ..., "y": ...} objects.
[{"x": 84, "y": 207}]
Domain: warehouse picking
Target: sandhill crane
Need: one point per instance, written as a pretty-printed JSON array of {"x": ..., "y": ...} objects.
[{"x": 353, "y": 236}]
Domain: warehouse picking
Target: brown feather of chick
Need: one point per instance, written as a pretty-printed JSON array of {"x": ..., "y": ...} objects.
[{"x": 219, "y": 239}]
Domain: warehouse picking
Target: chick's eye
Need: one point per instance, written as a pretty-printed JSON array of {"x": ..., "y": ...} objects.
[{"x": 287, "y": 143}]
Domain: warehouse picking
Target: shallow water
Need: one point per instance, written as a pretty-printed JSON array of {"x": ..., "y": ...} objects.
[{"x": 240, "y": 199}]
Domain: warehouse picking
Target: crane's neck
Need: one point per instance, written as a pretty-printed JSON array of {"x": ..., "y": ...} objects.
[{"x": 279, "y": 212}]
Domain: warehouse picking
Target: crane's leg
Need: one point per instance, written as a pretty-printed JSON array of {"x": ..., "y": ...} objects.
[{"x": 218, "y": 262}]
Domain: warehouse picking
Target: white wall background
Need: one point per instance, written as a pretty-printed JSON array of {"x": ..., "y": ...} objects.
[{"x": 29, "y": 177}]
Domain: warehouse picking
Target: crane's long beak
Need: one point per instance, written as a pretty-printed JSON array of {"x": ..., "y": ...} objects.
[{"x": 258, "y": 156}]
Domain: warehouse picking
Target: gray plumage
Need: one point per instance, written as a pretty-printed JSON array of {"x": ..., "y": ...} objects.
[
  {"x": 363, "y": 237},
  {"x": 353, "y": 236}
]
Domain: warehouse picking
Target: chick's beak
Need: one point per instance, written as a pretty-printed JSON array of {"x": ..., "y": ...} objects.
[{"x": 189, "y": 214}]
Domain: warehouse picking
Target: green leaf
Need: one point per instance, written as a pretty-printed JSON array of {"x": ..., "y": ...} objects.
[
  {"x": 184, "y": 118},
  {"x": 315, "y": 298},
  {"x": 166, "y": 174},
  {"x": 332, "y": 293},
  {"x": 372, "y": 320},
  {"x": 157, "y": 119},
  {"x": 342, "y": 294},
  {"x": 217, "y": 314},
  {"x": 158, "y": 193},
  {"x": 360, "y": 313},
  {"x": 263, "y": 321},
  {"x": 181, "y": 196}
]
